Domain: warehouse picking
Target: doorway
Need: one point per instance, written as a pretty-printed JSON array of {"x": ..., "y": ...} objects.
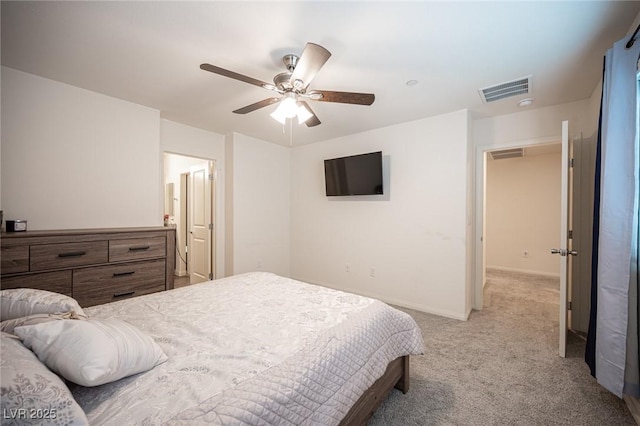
[
  {"x": 522, "y": 198},
  {"x": 482, "y": 155},
  {"x": 190, "y": 208},
  {"x": 576, "y": 234},
  {"x": 522, "y": 222}
]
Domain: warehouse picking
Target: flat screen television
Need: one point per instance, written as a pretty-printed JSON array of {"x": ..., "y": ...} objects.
[{"x": 354, "y": 175}]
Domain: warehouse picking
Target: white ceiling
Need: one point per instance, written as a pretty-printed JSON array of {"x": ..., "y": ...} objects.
[{"x": 149, "y": 53}]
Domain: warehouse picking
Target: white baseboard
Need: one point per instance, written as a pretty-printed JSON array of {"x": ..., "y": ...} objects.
[
  {"x": 393, "y": 301},
  {"x": 525, "y": 271}
]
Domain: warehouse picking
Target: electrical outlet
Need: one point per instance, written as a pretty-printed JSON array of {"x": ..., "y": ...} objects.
[
  {"x": 372, "y": 272},
  {"x": 347, "y": 268}
]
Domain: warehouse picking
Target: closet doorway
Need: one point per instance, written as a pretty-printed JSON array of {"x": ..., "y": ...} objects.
[{"x": 190, "y": 208}]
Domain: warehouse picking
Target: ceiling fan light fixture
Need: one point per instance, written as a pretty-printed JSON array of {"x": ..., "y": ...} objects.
[
  {"x": 278, "y": 116},
  {"x": 288, "y": 108},
  {"x": 303, "y": 114}
]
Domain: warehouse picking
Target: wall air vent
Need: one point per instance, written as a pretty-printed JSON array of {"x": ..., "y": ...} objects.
[
  {"x": 521, "y": 86},
  {"x": 507, "y": 153}
]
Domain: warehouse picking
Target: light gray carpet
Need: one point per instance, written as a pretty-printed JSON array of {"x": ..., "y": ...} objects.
[{"x": 502, "y": 366}]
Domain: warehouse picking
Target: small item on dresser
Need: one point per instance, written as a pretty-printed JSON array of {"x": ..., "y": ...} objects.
[{"x": 16, "y": 225}]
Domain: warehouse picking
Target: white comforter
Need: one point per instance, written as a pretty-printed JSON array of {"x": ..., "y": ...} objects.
[{"x": 252, "y": 349}]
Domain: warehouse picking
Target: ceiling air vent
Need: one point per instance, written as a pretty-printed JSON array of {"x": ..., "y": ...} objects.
[
  {"x": 521, "y": 86},
  {"x": 507, "y": 153}
]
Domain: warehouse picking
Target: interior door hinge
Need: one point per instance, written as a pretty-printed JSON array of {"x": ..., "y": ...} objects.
[
  {"x": 211, "y": 176},
  {"x": 210, "y": 276},
  {"x": 570, "y": 234},
  {"x": 211, "y": 227},
  {"x": 569, "y": 306},
  {"x": 571, "y": 163}
]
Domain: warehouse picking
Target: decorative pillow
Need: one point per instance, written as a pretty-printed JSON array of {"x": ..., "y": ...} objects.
[
  {"x": 30, "y": 393},
  {"x": 92, "y": 352},
  {"x": 20, "y": 302},
  {"x": 9, "y": 325}
]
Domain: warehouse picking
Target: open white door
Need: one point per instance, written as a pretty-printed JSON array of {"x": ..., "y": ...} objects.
[
  {"x": 201, "y": 223},
  {"x": 564, "y": 250}
]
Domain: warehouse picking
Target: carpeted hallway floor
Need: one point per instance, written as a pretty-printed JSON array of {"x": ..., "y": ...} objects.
[{"x": 502, "y": 366}]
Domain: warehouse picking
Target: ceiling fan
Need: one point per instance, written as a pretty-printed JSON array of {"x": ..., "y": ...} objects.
[{"x": 292, "y": 85}]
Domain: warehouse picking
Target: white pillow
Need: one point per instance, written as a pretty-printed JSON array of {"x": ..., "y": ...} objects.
[
  {"x": 31, "y": 393},
  {"x": 20, "y": 302},
  {"x": 9, "y": 325},
  {"x": 92, "y": 352}
]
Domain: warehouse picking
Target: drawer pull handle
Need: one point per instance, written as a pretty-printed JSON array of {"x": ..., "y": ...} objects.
[
  {"x": 123, "y": 274},
  {"x": 127, "y": 293},
  {"x": 139, "y": 248},
  {"x": 72, "y": 254}
]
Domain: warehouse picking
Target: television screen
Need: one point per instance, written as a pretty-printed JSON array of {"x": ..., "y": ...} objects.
[{"x": 354, "y": 175}]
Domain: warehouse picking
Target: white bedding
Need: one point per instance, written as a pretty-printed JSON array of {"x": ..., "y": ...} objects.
[{"x": 252, "y": 349}]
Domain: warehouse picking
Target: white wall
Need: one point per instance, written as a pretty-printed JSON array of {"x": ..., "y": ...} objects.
[
  {"x": 594, "y": 111},
  {"x": 531, "y": 124},
  {"x": 260, "y": 199},
  {"x": 186, "y": 140},
  {"x": 72, "y": 158},
  {"x": 522, "y": 213},
  {"x": 181, "y": 139},
  {"x": 414, "y": 237}
]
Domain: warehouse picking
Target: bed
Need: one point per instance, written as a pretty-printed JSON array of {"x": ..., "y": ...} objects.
[{"x": 255, "y": 349}]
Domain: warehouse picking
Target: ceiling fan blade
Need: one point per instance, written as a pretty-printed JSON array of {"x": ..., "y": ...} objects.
[
  {"x": 313, "y": 120},
  {"x": 236, "y": 76},
  {"x": 261, "y": 104},
  {"x": 342, "y": 97},
  {"x": 312, "y": 59}
]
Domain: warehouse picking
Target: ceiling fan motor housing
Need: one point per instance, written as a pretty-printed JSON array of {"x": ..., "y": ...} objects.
[
  {"x": 290, "y": 61},
  {"x": 283, "y": 81}
]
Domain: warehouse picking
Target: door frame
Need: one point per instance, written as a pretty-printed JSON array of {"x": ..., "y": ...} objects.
[{"x": 480, "y": 193}]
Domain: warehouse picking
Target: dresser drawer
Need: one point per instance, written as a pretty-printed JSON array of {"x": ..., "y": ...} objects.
[
  {"x": 95, "y": 286},
  {"x": 15, "y": 259},
  {"x": 64, "y": 255},
  {"x": 58, "y": 282},
  {"x": 137, "y": 248}
]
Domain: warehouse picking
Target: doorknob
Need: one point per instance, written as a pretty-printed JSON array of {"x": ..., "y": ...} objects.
[{"x": 572, "y": 252}]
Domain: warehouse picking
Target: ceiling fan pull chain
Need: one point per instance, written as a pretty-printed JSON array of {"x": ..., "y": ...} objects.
[{"x": 291, "y": 132}]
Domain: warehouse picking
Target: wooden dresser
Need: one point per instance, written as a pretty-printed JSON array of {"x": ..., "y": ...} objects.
[{"x": 94, "y": 266}]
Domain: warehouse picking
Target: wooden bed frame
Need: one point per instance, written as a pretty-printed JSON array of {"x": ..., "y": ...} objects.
[{"x": 396, "y": 375}]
